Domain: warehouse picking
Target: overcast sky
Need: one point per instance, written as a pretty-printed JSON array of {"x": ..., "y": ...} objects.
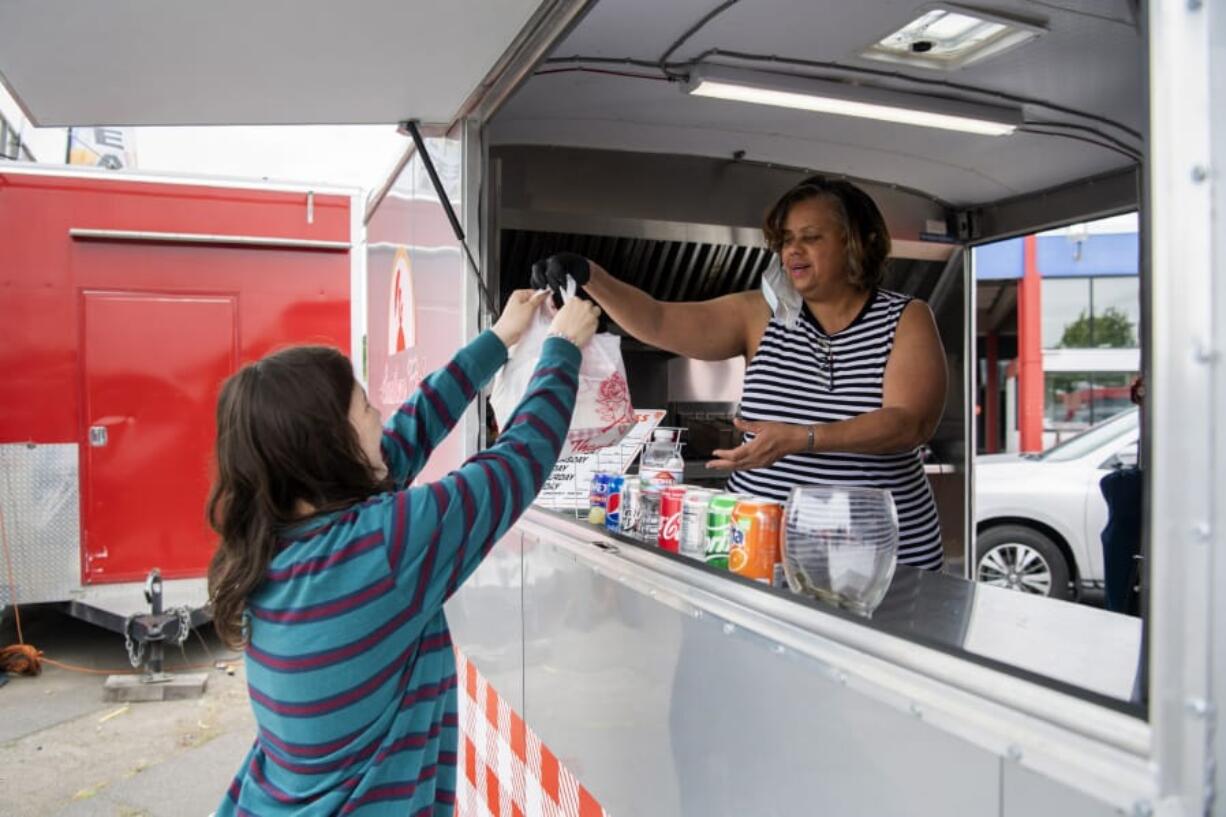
[
  {"x": 350, "y": 156},
  {"x": 356, "y": 156}
]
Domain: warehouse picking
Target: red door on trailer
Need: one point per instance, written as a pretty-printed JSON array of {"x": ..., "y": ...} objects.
[{"x": 153, "y": 366}]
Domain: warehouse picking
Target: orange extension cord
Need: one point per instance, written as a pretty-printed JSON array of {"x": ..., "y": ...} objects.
[
  {"x": 19, "y": 658},
  {"x": 26, "y": 659}
]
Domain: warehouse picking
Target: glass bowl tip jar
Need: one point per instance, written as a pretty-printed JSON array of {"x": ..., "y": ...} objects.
[{"x": 840, "y": 544}]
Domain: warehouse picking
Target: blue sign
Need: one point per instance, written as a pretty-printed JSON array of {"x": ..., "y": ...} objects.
[{"x": 1090, "y": 256}]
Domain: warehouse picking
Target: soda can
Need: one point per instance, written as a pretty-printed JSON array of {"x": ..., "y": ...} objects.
[
  {"x": 649, "y": 516},
  {"x": 598, "y": 497},
  {"x": 671, "y": 502},
  {"x": 719, "y": 520},
  {"x": 694, "y": 522},
  {"x": 753, "y": 548},
  {"x": 632, "y": 506},
  {"x": 613, "y": 504}
]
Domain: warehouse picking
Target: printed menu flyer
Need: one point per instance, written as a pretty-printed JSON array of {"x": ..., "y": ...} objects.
[{"x": 567, "y": 486}]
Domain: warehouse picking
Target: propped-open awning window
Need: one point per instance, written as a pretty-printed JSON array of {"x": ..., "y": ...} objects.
[{"x": 234, "y": 62}]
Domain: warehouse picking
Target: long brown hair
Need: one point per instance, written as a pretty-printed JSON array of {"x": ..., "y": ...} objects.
[
  {"x": 283, "y": 437},
  {"x": 868, "y": 240}
]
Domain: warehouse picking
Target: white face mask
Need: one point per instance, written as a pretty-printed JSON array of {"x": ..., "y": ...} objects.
[{"x": 780, "y": 293}]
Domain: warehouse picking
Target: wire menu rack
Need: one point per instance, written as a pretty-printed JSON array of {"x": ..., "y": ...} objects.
[{"x": 568, "y": 487}]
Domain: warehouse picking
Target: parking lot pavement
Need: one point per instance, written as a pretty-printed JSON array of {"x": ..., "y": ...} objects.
[{"x": 64, "y": 752}]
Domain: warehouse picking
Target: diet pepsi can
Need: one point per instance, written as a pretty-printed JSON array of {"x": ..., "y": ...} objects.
[{"x": 598, "y": 498}]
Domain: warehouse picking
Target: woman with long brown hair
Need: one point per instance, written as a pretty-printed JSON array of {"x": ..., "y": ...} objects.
[{"x": 332, "y": 571}]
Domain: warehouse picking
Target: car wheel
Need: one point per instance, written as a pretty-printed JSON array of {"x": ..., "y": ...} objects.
[{"x": 1023, "y": 559}]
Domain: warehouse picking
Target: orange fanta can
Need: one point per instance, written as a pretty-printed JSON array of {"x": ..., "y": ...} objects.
[{"x": 753, "y": 550}]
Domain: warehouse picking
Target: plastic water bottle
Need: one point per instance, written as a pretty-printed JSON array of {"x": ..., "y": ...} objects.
[{"x": 662, "y": 466}]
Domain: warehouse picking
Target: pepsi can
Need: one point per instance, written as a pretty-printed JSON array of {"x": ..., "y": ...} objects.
[{"x": 613, "y": 503}]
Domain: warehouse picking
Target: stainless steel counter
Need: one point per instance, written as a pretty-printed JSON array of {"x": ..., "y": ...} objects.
[
  {"x": 1084, "y": 649},
  {"x": 671, "y": 688}
]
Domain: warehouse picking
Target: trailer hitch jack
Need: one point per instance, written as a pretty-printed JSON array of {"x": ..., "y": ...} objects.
[{"x": 153, "y": 630}]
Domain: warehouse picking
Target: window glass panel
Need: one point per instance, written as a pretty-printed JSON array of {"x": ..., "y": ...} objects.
[
  {"x": 1110, "y": 394},
  {"x": 1079, "y": 445},
  {"x": 1066, "y": 313},
  {"x": 1073, "y": 401},
  {"x": 415, "y": 280},
  {"x": 1068, "y": 402},
  {"x": 1117, "y": 312}
]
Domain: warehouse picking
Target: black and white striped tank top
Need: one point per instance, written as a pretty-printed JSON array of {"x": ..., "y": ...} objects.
[{"x": 802, "y": 374}]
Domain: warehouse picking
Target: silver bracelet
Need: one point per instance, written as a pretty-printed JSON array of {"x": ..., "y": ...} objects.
[{"x": 553, "y": 333}]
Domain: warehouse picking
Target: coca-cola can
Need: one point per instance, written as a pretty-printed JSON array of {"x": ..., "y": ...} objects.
[
  {"x": 672, "y": 502},
  {"x": 632, "y": 506}
]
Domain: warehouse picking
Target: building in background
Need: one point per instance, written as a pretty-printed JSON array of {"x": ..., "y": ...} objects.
[
  {"x": 112, "y": 148},
  {"x": 20, "y": 141},
  {"x": 1059, "y": 328}
]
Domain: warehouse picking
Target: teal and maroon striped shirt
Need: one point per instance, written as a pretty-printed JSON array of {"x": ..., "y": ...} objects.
[{"x": 350, "y": 666}]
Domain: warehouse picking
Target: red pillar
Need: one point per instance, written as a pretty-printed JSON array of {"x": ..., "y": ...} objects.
[
  {"x": 1030, "y": 349},
  {"x": 991, "y": 397}
]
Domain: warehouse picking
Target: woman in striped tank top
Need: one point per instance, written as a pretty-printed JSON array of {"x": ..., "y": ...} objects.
[{"x": 843, "y": 394}]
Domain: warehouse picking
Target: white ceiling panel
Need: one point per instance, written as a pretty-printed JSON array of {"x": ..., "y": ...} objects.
[
  {"x": 1085, "y": 72},
  {"x": 254, "y": 62}
]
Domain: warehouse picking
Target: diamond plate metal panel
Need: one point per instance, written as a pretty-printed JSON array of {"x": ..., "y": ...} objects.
[{"x": 40, "y": 500}]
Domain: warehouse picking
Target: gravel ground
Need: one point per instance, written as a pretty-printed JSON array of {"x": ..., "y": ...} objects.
[{"x": 65, "y": 751}]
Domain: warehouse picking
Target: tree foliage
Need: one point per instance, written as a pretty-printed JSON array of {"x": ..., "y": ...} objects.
[{"x": 1110, "y": 329}]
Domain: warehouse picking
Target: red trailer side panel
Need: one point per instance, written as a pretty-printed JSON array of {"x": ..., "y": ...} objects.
[
  {"x": 137, "y": 336},
  {"x": 153, "y": 364}
]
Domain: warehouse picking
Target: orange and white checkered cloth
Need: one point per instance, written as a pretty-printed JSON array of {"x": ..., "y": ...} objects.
[{"x": 504, "y": 769}]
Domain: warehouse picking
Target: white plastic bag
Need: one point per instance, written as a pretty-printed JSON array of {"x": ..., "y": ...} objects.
[{"x": 603, "y": 414}]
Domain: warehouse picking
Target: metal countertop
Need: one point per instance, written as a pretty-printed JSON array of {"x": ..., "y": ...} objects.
[{"x": 1086, "y": 648}]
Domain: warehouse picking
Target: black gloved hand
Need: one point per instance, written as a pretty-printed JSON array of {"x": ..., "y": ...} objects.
[{"x": 552, "y": 271}]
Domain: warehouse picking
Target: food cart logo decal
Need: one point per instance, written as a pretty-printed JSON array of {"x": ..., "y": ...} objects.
[{"x": 402, "y": 310}]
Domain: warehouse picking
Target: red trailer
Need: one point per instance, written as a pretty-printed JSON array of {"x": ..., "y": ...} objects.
[{"x": 126, "y": 301}]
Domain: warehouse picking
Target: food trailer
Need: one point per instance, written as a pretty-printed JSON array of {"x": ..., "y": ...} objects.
[
  {"x": 128, "y": 299},
  {"x": 601, "y": 674}
]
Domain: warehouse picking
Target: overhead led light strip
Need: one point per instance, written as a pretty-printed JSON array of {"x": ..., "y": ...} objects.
[{"x": 878, "y": 104}]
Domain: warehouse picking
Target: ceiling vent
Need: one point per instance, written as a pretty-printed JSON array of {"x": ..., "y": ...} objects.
[{"x": 946, "y": 36}]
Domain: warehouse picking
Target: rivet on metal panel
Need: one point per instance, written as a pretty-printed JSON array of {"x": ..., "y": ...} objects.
[
  {"x": 1142, "y": 808},
  {"x": 697, "y": 613},
  {"x": 1206, "y": 354},
  {"x": 1195, "y": 5},
  {"x": 1199, "y": 173},
  {"x": 729, "y": 629},
  {"x": 1014, "y": 753},
  {"x": 1200, "y": 708},
  {"x": 779, "y": 649},
  {"x": 916, "y": 711},
  {"x": 1202, "y": 532}
]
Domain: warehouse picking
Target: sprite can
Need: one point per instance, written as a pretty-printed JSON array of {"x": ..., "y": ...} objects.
[{"x": 719, "y": 523}]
